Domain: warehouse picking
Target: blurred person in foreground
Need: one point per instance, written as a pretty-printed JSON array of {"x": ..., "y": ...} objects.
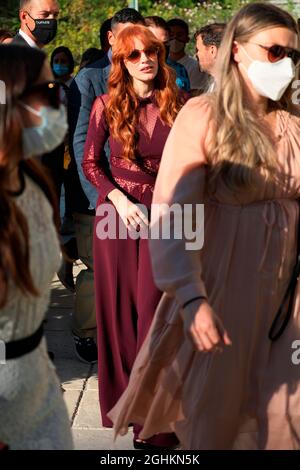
[
  {"x": 217, "y": 367},
  {"x": 32, "y": 410}
]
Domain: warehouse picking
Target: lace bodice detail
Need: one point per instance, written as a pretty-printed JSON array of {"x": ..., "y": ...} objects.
[{"x": 152, "y": 137}]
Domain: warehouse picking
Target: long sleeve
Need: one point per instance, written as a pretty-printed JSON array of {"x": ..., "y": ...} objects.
[
  {"x": 95, "y": 164},
  {"x": 81, "y": 97},
  {"x": 89, "y": 83},
  {"x": 181, "y": 180}
]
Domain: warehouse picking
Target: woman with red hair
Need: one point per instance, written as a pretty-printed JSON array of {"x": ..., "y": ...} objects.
[{"x": 135, "y": 117}]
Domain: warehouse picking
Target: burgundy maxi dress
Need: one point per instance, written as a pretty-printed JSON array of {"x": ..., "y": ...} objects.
[{"x": 126, "y": 296}]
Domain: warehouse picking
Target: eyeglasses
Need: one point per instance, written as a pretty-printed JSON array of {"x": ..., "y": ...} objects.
[
  {"x": 276, "y": 52},
  {"x": 51, "y": 90},
  {"x": 151, "y": 52}
]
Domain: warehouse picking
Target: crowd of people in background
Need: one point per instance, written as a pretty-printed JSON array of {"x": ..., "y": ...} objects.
[{"x": 142, "y": 122}]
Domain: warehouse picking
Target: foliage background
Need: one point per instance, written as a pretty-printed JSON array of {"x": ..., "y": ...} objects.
[{"x": 80, "y": 19}]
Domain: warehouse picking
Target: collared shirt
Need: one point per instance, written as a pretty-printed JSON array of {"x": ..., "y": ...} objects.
[
  {"x": 182, "y": 78},
  {"x": 212, "y": 86},
  {"x": 109, "y": 55},
  {"x": 26, "y": 38}
]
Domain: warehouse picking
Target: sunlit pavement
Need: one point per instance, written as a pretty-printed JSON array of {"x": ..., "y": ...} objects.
[{"x": 79, "y": 380}]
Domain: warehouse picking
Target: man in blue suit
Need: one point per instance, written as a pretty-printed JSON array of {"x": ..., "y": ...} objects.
[{"x": 90, "y": 82}]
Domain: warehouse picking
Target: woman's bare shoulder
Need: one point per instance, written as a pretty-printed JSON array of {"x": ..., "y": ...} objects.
[{"x": 197, "y": 110}]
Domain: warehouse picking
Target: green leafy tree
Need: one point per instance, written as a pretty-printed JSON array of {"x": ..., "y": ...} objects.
[{"x": 80, "y": 20}]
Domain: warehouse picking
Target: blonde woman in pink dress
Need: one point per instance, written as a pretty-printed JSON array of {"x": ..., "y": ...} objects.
[{"x": 208, "y": 369}]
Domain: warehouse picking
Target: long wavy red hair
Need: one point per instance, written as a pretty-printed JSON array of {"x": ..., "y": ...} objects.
[{"x": 123, "y": 103}]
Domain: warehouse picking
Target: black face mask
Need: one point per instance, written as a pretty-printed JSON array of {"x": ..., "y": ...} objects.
[{"x": 44, "y": 31}]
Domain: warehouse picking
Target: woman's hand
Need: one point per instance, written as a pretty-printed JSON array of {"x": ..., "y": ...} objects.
[
  {"x": 131, "y": 214},
  {"x": 204, "y": 327}
]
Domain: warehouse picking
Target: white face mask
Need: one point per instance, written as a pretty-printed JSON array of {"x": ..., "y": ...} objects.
[
  {"x": 270, "y": 79},
  {"x": 48, "y": 135}
]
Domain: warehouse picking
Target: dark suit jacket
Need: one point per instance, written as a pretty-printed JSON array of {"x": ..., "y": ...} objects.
[
  {"x": 89, "y": 83},
  {"x": 19, "y": 41}
]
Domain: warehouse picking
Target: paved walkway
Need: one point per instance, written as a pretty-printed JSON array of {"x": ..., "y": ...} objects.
[{"x": 78, "y": 379}]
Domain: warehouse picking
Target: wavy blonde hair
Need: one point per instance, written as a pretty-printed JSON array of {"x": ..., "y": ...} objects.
[
  {"x": 241, "y": 143},
  {"x": 123, "y": 104}
]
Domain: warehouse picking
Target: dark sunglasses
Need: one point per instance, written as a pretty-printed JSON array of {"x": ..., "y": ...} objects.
[
  {"x": 151, "y": 52},
  {"x": 51, "y": 90},
  {"x": 276, "y": 53}
]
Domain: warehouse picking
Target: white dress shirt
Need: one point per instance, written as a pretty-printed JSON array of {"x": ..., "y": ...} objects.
[{"x": 26, "y": 38}]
